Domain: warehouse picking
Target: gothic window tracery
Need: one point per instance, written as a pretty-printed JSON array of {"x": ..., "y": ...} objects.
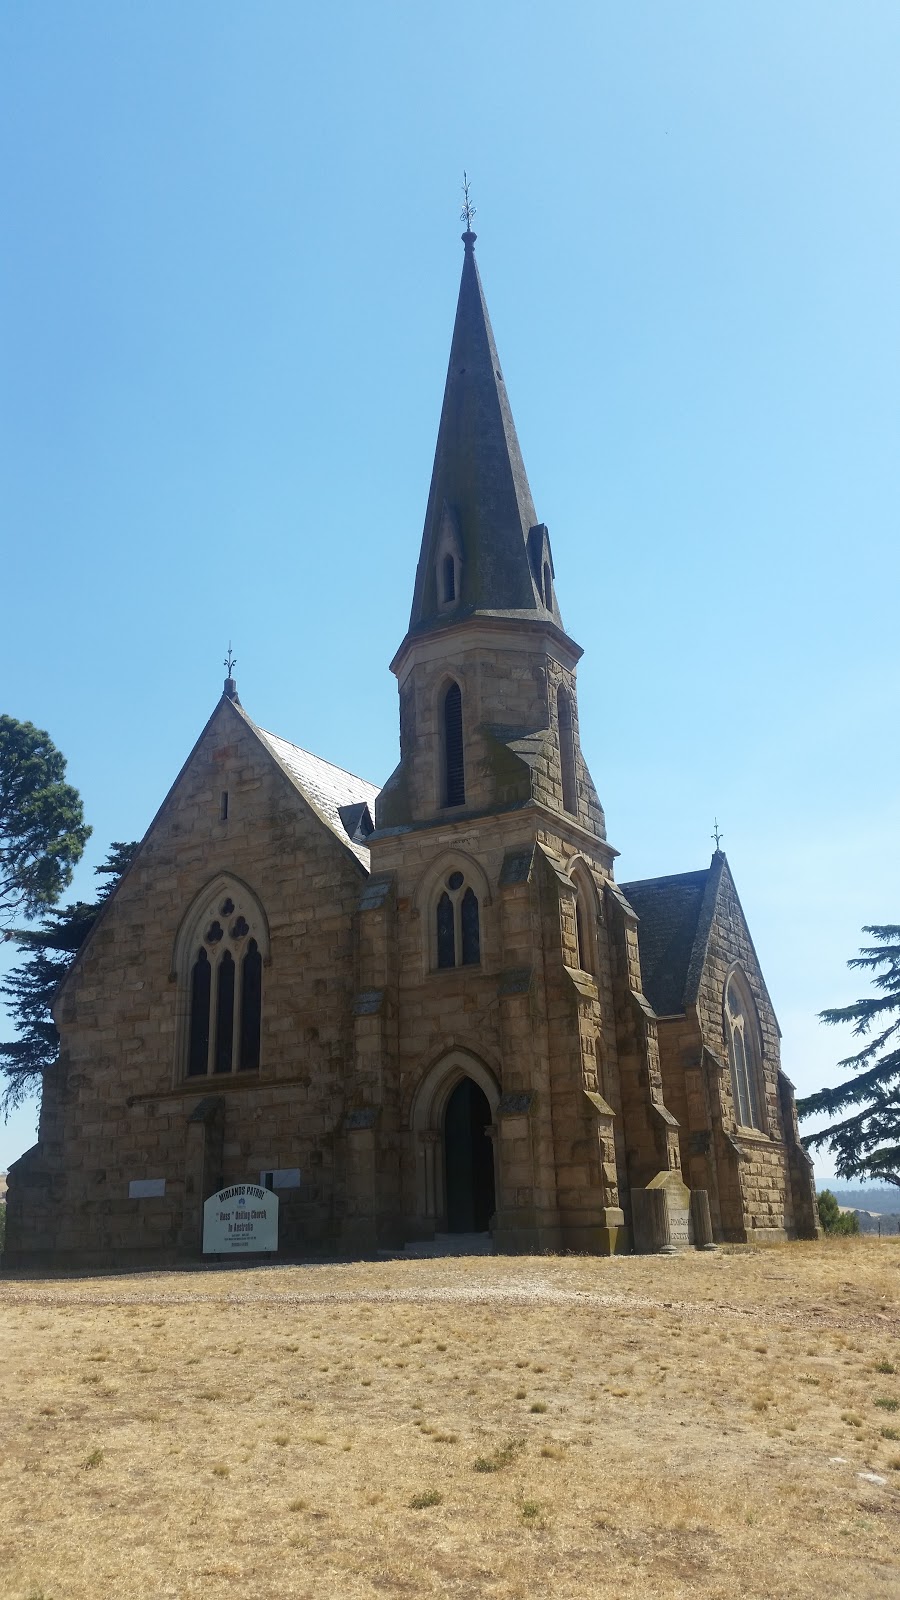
[
  {"x": 224, "y": 988},
  {"x": 742, "y": 1039},
  {"x": 457, "y": 923}
]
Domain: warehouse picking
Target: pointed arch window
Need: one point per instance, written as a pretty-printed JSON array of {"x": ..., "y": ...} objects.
[
  {"x": 223, "y": 986},
  {"x": 457, "y": 923},
  {"x": 586, "y": 918},
  {"x": 744, "y": 1055},
  {"x": 454, "y": 764},
  {"x": 566, "y": 728}
]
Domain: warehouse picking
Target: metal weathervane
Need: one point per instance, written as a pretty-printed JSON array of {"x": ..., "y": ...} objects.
[
  {"x": 715, "y": 833},
  {"x": 467, "y": 215},
  {"x": 230, "y": 661}
]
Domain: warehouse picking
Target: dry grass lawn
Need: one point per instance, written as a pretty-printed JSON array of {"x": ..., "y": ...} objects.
[{"x": 558, "y": 1427}]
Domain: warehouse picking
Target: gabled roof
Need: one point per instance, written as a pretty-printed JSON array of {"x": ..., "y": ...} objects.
[
  {"x": 479, "y": 497},
  {"x": 674, "y": 920},
  {"x": 328, "y": 789}
]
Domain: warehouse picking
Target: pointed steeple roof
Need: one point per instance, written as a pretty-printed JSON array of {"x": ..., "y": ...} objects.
[{"x": 480, "y": 510}]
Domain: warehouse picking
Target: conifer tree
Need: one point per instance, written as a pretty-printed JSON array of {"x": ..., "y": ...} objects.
[
  {"x": 28, "y": 990},
  {"x": 866, "y": 1141},
  {"x": 42, "y": 826}
]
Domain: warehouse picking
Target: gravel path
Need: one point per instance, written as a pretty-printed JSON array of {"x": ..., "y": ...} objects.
[{"x": 531, "y": 1290}]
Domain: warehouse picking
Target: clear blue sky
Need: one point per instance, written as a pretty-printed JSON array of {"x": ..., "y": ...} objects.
[{"x": 227, "y": 288}]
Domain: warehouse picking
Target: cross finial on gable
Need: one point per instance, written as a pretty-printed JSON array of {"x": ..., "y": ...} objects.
[{"x": 229, "y": 664}]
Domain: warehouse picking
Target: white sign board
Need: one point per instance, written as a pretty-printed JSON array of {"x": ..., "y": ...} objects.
[{"x": 241, "y": 1219}]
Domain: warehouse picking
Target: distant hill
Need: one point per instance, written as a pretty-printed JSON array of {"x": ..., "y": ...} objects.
[{"x": 884, "y": 1199}]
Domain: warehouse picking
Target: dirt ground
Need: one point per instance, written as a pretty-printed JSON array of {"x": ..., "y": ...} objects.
[{"x": 712, "y": 1425}]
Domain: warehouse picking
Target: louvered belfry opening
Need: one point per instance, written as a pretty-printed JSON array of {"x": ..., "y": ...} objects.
[
  {"x": 449, "y": 568},
  {"x": 454, "y": 769},
  {"x": 566, "y": 751}
]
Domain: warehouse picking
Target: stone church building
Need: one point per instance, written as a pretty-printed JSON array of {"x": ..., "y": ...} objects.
[{"x": 429, "y": 1007}]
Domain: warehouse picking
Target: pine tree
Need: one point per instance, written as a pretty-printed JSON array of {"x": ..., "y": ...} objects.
[
  {"x": 29, "y": 988},
  {"x": 42, "y": 826},
  {"x": 866, "y": 1143}
]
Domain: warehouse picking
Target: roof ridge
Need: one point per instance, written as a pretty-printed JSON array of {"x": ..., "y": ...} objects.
[{"x": 669, "y": 877}]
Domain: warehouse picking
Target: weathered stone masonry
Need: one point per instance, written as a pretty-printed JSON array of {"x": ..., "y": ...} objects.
[{"x": 462, "y": 1015}]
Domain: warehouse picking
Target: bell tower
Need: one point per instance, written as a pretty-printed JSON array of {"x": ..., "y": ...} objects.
[
  {"x": 488, "y": 705},
  {"x": 496, "y": 973}
]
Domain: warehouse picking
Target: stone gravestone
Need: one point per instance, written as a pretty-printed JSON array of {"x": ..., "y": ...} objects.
[
  {"x": 661, "y": 1214},
  {"x": 242, "y": 1219}
]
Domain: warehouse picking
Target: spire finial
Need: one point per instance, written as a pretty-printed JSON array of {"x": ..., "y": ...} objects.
[
  {"x": 715, "y": 833},
  {"x": 467, "y": 215},
  {"x": 230, "y": 661}
]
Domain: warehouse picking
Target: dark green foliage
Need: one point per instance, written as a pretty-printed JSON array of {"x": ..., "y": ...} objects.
[
  {"x": 832, "y": 1218},
  {"x": 866, "y": 1142},
  {"x": 42, "y": 828},
  {"x": 28, "y": 990}
]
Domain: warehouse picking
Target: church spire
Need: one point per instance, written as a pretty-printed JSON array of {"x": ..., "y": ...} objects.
[{"x": 483, "y": 550}]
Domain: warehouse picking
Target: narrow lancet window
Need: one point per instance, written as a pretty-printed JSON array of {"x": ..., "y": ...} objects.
[
  {"x": 449, "y": 577},
  {"x": 548, "y": 587},
  {"x": 454, "y": 768},
  {"x": 743, "y": 1054},
  {"x": 446, "y": 937},
  {"x": 251, "y": 1008},
  {"x": 471, "y": 941},
  {"x": 566, "y": 751},
  {"x": 581, "y": 936},
  {"x": 198, "y": 1043},
  {"x": 225, "y": 1013}
]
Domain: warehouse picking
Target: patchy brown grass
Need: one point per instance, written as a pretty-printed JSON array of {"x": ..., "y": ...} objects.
[{"x": 475, "y": 1427}]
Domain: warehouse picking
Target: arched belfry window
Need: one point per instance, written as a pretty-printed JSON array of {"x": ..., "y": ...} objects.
[
  {"x": 457, "y": 922},
  {"x": 454, "y": 772},
  {"x": 744, "y": 1056},
  {"x": 219, "y": 960},
  {"x": 566, "y": 751}
]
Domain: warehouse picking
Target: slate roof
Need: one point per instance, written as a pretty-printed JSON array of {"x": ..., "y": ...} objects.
[
  {"x": 478, "y": 481},
  {"x": 674, "y": 917},
  {"x": 328, "y": 789}
]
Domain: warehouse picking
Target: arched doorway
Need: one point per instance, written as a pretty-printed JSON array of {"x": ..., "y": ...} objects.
[{"x": 468, "y": 1159}]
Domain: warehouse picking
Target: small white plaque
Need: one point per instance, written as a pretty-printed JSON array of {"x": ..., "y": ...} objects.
[
  {"x": 146, "y": 1188},
  {"x": 280, "y": 1178},
  {"x": 240, "y": 1220}
]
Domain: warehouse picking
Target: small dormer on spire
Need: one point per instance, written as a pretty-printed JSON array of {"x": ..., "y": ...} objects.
[{"x": 230, "y": 689}]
